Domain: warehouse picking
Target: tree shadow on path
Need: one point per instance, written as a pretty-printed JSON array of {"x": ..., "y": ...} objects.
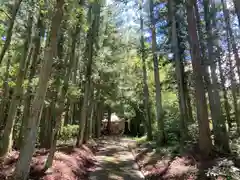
[{"x": 115, "y": 161}]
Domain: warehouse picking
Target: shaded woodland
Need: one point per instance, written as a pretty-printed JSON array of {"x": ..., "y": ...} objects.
[{"x": 170, "y": 69}]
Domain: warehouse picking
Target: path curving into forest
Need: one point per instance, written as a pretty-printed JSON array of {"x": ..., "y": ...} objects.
[{"x": 115, "y": 160}]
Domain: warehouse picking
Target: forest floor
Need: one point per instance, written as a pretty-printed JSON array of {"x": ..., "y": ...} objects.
[
  {"x": 123, "y": 158},
  {"x": 69, "y": 163},
  {"x": 167, "y": 163},
  {"x": 115, "y": 161}
]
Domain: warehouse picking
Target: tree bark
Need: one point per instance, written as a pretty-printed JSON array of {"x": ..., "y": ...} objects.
[
  {"x": 179, "y": 73},
  {"x": 205, "y": 143},
  {"x": 109, "y": 112},
  {"x": 225, "y": 98},
  {"x": 232, "y": 46},
  {"x": 237, "y": 9},
  {"x": 159, "y": 108},
  {"x": 220, "y": 137},
  {"x": 5, "y": 97},
  {"x": 15, "y": 9},
  {"x": 23, "y": 124},
  {"x": 91, "y": 39},
  {"x": 205, "y": 62},
  {"x": 233, "y": 85},
  {"x": 16, "y": 99},
  {"x": 29, "y": 96},
  {"x": 231, "y": 36},
  {"x": 145, "y": 83},
  {"x": 27, "y": 150},
  {"x": 60, "y": 106}
]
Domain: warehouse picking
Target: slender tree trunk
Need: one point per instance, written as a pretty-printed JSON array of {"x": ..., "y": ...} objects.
[
  {"x": 145, "y": 83},
  {"x": 205, "y": 143},
  {"x": 232, "y": 46},
  {"x": 159, "y": 108},
  {"x": 53, "y": 123},
  {"x": 90, "y": 112},
  {"x": 26, "y": 106},
  {"x": 180, "y": 31},
  {"x": 188, "y": 103},
  {"x": 29, "y": 96},
  {"x": 206, "y": 74},
  {"x": 15, "y": 9},
  {"x": 221, "y": 136},
  {"x": 233, "y": 86},
  {"x": 60, "y": 107},
  {"x": 74, "y": 81},
  {"x": 109, "y": 112},
  {"x": 80, "y": 138},
  {"x": 98, "y": 120},
  {"x": 237, "y": 9},
  {"x": 94, "y": 118},
  {"x": 186, "y": 92},
  {"x": 16, "y": 99},
  {"x": 225, "y": 98},
  {"x": 54, "y": 137},
  {"x": 5, "y": 97},
  {"x": 27, "y": 150},
  {"x": 231, "y": 36},
  {"x": 66, "y": 117},
  {"x": 42, "y": 134},
  {"x": 98, "y": 110},
  {"x": 179, "y": 73},
  {"x": 91, "y": 39}
]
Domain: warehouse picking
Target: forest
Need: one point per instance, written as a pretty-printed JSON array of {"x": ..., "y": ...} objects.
[{"x": 170, "y": 69}]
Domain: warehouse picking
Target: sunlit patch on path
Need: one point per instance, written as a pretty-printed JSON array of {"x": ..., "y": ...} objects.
[{"x": 115, "y": 161}]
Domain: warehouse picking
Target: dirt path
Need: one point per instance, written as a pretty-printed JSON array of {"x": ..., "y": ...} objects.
[{"x": 115, "y": 161}]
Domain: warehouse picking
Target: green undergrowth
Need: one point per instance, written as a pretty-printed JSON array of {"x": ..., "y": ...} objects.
[
  {"x": 68, "y": 132},
  {"x": 140, "y": 140}
]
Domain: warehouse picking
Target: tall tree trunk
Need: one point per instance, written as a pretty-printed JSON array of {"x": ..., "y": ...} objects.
[
  {"x": 179, "y": 73},
  {"x": 225, "y": 98},
  {"x": 231, "y": 36},
  {"x": 29, "y": 96},
  {"x": 15, "y": 9},
  {"x": 232, "y": 46},
  {"x": 50, "y": 124},
  {"x": 205, "y": 143},
  {"x": 98, "y": 120},
  {"x": 60, "y": 106},
  {"x": 27, "y": 150},
  {"x": 206, "y": 73},
  {"x": 145, "y": 83},
  {"x": 188, "y": 103},
  {"x": 181, "y": 40},
  {"x": 237, "y": 9},
  {"x": 222, "y": 139},
  {"x": 233, "y": 86},
  {"x": 90, "y": 111},
  {"x": 42, "y": 134},
  {"x": 80, "y": 138},
  {"x": 109, "y": 112},
  {"x": 5, "y": 95},
  {"x": 91, "y": 116},
  {"x": 94, "y": 118},
  {"x": 66, "y": 116},
  {"x": 23, "y": 124},
  {"x": 159, "y": 108},
  {"x": 73, "y": 105},
  {"x": 98, "y": 110},
  {"x": 15, "y": 102},
  {"x": 91, "y": 39}
]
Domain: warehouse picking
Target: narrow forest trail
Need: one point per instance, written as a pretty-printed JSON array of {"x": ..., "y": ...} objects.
[{"x": 115, "y": 160}]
